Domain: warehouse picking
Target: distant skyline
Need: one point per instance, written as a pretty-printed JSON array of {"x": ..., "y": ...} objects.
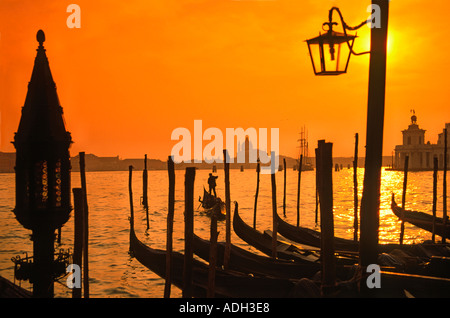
[{"x": 137, "y": 70}]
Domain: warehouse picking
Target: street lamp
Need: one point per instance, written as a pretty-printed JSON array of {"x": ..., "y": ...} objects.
[
  {"x": 330, "y": 52},
  {"x": 370, "y": 203},
  {"x": 327, "y": 49},
  {"x": 42, "y": 170},
  {"x": 42, "y": 153}
]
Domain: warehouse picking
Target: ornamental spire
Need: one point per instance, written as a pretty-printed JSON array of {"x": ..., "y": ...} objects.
[{"x": 42, "y": 115}]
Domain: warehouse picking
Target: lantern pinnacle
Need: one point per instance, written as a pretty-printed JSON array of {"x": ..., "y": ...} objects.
[{"x": 40, "y": 37}]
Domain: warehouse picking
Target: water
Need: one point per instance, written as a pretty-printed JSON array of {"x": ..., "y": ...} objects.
[{"x": 113, "y": 273}]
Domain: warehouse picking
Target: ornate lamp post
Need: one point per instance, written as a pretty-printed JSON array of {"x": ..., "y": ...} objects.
[
  {"x": 370, "y": 203},
  {"x": 42, "y": 170}
]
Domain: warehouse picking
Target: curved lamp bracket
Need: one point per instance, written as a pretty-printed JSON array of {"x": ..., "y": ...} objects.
[{"x": 345, "y": 27}]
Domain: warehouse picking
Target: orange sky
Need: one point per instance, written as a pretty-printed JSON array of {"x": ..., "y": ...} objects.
[{"x": 136, "y": 70}]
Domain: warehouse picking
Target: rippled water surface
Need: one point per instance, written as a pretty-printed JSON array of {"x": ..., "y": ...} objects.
[{"x": 113, "y": 273}]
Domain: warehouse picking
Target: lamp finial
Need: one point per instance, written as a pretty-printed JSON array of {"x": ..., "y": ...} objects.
[{"x": 40, "y": 37}]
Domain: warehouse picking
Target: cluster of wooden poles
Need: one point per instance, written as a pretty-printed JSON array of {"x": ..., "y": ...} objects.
[
  {"x": 187, "y": 290},
  {"x": 355, "y": 189},
  {"x": 325, "y": 196}
]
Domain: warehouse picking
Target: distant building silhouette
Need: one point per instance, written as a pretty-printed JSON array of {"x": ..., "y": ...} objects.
[
  {"x": 246, "y": 147},
  {"x": 420, "y": 153},
  {"x": 7, "y": 161}
]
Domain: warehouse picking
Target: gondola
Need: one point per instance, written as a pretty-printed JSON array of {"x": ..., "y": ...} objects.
[
  {"x": 250, "y": 263},
  {"x": 243, "y": 260},
  {"x": 421, "y": 220},
  {"x": 212, "y": 204},
  {"x": 424, "y": 259},
  {"x": 155, "y": 260},
  {"x": 263, "y": 242},
  {"x": 229, "y": 284},
  {"x": 310, "y": 237}
]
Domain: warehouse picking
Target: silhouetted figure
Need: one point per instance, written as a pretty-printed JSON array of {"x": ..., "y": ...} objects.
[{"x": 212, "y": 184}]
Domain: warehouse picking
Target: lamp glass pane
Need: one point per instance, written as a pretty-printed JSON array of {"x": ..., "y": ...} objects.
[
  {"x": 315, "y": 57},
  {"x": 336, "y": 58},
  {"x": 330, "y": 54}
]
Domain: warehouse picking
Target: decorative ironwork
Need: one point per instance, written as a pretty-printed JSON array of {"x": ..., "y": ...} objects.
[
  {"x": 24, "y": 266},
  {"x": 330, "y": 52}
]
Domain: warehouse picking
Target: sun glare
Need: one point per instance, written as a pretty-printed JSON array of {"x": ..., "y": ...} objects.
[
  {"x": 362, "y": 44},
  {"x": 390, "y": 44}
]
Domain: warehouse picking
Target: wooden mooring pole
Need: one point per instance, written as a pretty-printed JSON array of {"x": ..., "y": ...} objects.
[
  {"x": 324, "y": 165},
  {"x": 86, "y": 226},
  {"x": 188, "y": 232},
  {"x": 226, "y": 165},
  {"x": 355, "y": 191},
  {"x": 316, "y": 219},
  {"x": 258, "y": 170},
  {"x": 130, "y": 195},
  {"x": 444, "y": 186},
  {"x": 170, "y": 217},
  {"x": 212, "y": 256},
  {"x": 274, "y": 207},
  {"x": 435, "y": 174},
  {"x": 284, "y": 188},
  {"x": 405, "y": 183},
  {"x": 145, "y": 190},
  {"x": 300, "y": 164},
  {"x": 78, "y": 234}
]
